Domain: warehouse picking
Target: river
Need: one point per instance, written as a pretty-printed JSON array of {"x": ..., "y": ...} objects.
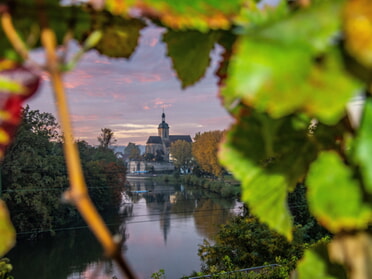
[{"x": 162, "y": 226}]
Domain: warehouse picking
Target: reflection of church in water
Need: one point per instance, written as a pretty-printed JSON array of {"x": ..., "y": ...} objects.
[{"x": 159, "y": 200}]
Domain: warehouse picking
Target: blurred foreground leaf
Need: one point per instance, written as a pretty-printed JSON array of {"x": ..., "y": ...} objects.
[
  {"x": 119, "y": 36},
  {"x": 190, "y": 63},
  {"x": 363, "y": 146},
  {"x": 358, "y": 30},
  {"x": 7, "y": 232},
  {"x": 290, "y": 66},
  {"x": 269, "y": 156},
  {"x": 316, "y": 264},
  {"x": 334, "y": 196},
  {"x": 182, "y": 14}
]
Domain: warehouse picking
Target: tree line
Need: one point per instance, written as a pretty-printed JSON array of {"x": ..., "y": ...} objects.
[{"x": 34, "y": 175}]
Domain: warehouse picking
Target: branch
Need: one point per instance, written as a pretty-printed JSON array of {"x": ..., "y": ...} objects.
[{"x": 77, "y": 193}]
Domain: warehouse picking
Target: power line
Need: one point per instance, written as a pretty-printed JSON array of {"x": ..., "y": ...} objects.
[
  {"x": 140, "y": 221},
  {"x": 107, "y": 224}
]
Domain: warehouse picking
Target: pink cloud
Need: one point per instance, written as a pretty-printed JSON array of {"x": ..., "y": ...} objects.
[
  {"x": 98, "y": 61},
  {"x": 119, "y": 96},
  {"x": 91, "y": 117},
  {"x": 159, "y": 103},
  {"x": 45, "y": 76},
  {"x": 139, "y": 77},
  {"x": 148, "y": 78},
  {"x": 77, "y": 78},
  {"x": 153, "y": 42},
  {"x": 72, "y": 84}
]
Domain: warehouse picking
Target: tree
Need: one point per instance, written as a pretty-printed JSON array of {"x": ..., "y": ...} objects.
[
  {"x": 180, "y": 151},
  {"x": 280, "y": 68},
  {"x": 247, "y": 243},
  {"x": 106, "y": 138},
  {"x": 205, "y": 149},
  {"x": 34, "y": 175},
  {"x": 132, "y": 151}
]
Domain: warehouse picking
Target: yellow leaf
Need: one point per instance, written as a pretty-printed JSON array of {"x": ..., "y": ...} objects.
[
  {"x": 7, "y": 232},
  {"x": 358, "y": 30}
]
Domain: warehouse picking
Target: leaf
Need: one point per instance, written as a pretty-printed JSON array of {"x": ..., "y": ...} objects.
[
  {"x": 335, "y": 198},
  {"x": 7, "y": 232},
  {"x": 119, "y": 36},
  {"x": 61, "y": 18},
  {"x": 353, "y": 251},
  {"x": 316, "y": 264},
  {"x": 10, "y": 86},
  {"x": 363, "y": 146},
  {"x": 201, "y": 15},
  {"x": 358, "y": 30},
  {"x": 266, "y": 60},
  {"x": 11, "y": 75},
  {"x": 190, "y": 63},
  {"x": 252, "y": 16},
  {"x": 269, "y": 157},
  {"x": 312, "y": 27}
]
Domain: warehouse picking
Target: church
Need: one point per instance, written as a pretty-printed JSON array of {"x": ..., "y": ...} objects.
[{"x": 160, "y": 145}]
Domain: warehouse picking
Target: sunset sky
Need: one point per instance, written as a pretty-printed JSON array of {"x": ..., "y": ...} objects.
[{"x": 128, "y": 96}]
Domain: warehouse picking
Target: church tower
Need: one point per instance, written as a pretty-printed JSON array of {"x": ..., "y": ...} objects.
[{"x": 163, "y": 129}]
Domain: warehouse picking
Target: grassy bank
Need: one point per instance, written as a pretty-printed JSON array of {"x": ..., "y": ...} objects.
[{"x": 226, "y": 187}]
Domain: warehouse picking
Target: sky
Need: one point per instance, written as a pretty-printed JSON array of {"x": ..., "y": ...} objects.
[{"x": 128, "y": 96}]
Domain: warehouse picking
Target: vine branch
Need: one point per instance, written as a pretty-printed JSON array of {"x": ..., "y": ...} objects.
[{"x": 77, "y": 193}]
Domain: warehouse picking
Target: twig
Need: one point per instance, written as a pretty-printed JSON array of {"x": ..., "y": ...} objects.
[{"x": 77, "y": 192}]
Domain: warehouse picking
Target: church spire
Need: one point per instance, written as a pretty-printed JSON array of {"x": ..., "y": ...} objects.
[
  {"x": 163, "y": 129},
  {"x": 163, "y": 116}
]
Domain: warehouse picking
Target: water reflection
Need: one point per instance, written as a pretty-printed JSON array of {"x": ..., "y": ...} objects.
[
  {"x": 56, "y": 257},
  {"x": 162, "y": 224}
]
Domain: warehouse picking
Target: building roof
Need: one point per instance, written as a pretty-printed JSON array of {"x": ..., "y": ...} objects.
[{"x": 154, "y": 140}]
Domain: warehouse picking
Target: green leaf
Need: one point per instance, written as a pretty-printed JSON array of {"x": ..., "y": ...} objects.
[
  {"x": 190, "y": 63},
  {"x": 363, "y": 146},
  {"x": 251, "y": 16},
  {"x": 316, "y": 264},
  {"x": 269, "y": 157},
  {"x": 201, "y": 15},
  {"x": 119, "y": 36},
  {"x": 335, "y": 198},
  {"x": 312, "y": 27},
  {"x": 290, "y": 66},
  {"x": 26, "y": 19},
  {"x": 7, "y": 232}
]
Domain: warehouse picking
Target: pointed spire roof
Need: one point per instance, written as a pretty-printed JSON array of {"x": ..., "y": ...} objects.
[{"x": 163, "y": 124}]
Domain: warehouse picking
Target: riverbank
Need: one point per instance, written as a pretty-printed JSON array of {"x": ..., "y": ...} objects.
[{"x": 227, "y": 187}]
